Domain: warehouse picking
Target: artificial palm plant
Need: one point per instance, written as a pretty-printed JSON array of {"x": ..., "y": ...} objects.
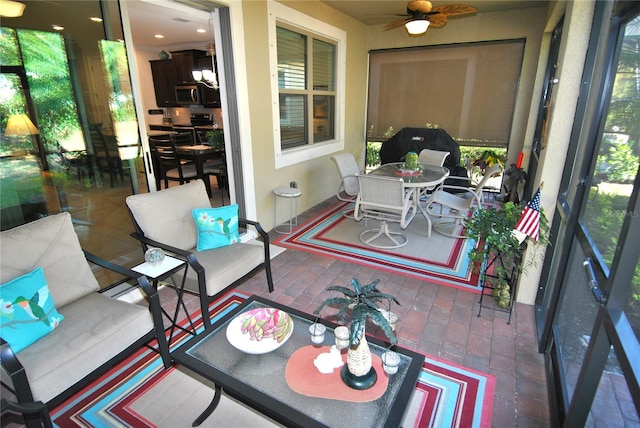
[{"x": 364, "y": 302}]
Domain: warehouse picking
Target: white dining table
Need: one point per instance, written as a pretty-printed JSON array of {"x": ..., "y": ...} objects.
[{"x": 428, "y": 177}]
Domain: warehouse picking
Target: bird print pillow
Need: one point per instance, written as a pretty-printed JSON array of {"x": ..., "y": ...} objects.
[
  {"x": 217, "y": 227},
  {"x": 27, "y": 311}
]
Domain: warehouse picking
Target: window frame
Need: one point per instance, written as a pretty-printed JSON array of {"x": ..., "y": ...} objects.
[{"x": 280, "y": 15}]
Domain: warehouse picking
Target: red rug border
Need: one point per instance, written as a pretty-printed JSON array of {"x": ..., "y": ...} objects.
[
  {"x": 439, "y": 279},
  {"x": 123, "y": 412}
]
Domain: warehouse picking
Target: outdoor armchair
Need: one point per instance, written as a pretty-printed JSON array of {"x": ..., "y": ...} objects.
[
  {"x": 96, "y": 331},
  {"x": 164, "y": 219}
]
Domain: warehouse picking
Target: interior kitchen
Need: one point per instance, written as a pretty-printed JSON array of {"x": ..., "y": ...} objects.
[{"x": 176, "y": 61}]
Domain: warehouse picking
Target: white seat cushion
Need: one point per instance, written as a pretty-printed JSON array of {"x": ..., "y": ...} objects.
[{"x": 95, "y": 329}]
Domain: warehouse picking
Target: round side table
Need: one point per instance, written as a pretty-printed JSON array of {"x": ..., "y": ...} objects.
[{"x": 288, "y": 193}]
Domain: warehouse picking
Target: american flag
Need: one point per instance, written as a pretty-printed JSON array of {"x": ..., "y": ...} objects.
[{"x": 529, "y": 222}]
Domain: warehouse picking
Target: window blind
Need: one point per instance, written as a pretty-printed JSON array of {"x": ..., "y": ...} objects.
[{"x": 469, "y": 90}]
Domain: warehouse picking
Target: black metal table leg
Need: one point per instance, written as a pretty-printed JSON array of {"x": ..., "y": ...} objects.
[{"x": 210, "y": 408}]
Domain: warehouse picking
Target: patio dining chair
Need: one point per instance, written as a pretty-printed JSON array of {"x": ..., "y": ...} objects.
[
  {"x": 455, "y": 208},
  {"x": 105, "y": 153},
  {"x": 432, "y": 157},
  {"x": 384, "y": 199},
  {"x": 348, "y": 170}
]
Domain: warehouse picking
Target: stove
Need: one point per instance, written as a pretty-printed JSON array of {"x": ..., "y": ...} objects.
[{"x": 201, "y": 119}]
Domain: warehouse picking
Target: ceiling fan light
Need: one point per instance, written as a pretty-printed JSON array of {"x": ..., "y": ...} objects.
[
  {"x": 417, "y": 26},
  {"x": 11, "y": 9}
]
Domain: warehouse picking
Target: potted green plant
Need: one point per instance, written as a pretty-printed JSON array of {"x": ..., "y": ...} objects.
[
  {"x": 363, "y": 301},
  {"x": 499, "y": 248},
  {"x": 215, "y": 138}
]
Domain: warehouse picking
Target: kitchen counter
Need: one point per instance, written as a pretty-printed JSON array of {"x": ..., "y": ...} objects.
[{"x": 156, "y": 127}]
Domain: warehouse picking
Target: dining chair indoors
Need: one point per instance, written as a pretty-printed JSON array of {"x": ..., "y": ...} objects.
[
  {"x": 455, "y": 208},
  {"x": 169, "y": 166},
  {"x": 384, "y": 199}
]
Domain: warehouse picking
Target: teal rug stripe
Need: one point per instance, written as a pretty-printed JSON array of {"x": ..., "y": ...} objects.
[
  {"x": 320, "y": 236},
  {"x": 452, "y": 395}
]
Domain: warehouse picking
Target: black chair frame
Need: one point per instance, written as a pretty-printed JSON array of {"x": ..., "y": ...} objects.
[
  {"x": 192, "y": 261},
  {"x": 16, "y": 371}
]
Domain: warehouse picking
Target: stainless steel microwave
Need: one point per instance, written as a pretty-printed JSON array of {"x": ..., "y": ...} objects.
[{"x": 188, "y": 94}]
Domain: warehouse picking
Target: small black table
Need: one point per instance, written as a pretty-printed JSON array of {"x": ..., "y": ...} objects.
[
  {"x": 168, "y": 267},
  {"x": 259, "y": 380}
]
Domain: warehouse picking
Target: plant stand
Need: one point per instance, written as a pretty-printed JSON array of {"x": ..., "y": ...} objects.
[{"x": 506, "y": 269}]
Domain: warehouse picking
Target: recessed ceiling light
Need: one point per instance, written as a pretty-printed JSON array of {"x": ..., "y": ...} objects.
[
  {"x": 96, "y": 19},
  {"x": 158, "y": 36},
  {"x": 57, "y": 27},
  {"x": 201, "y": 30}
]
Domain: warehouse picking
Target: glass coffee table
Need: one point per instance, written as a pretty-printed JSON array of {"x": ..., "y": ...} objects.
[{"x": 258, "y": 380}]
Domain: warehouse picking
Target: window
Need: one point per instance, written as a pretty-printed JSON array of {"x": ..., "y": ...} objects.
[{"x": 308, "y": 58}]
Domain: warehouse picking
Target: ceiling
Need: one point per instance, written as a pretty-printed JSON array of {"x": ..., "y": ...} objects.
[
  {"x": 149, "y": 18},
  {"x": 178, "y": 23},
  {"x": 373, "y": 12}
]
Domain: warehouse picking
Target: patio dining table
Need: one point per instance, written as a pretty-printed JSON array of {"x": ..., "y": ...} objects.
[{"x": 426, "y": 178}]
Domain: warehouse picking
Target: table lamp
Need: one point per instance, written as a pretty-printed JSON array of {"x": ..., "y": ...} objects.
[{"x": 20, "y": 125}]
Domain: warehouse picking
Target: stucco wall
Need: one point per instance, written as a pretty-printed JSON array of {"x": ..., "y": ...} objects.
[{"x": 318, "y": 178}]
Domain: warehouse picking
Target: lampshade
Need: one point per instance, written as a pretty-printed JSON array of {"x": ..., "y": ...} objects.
[
  {"x": 197, "y": 75},
  {"x": 208, "y": 75},
  {"x": 417, "y": 26},
  {"x": 19, "y": 125},
  {"x": 11, "y": 9}
]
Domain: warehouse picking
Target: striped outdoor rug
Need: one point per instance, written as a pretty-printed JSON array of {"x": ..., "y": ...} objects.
[
  {"x": 140, "y": 393},
  {"x": 438, "y": 259}
]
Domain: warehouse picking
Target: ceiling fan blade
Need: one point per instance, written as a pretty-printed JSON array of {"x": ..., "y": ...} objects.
[
  {"x": 437, "y": 20},
  {"x": 395, "y": 24},
  {"x": 453, "y": 9}
]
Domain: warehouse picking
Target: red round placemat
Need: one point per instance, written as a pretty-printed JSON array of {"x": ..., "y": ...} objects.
[
  {"x": 405, "y": 173},
  {"x": 304, "y": 378}
]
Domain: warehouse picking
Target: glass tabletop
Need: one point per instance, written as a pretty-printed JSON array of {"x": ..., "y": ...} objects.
[
  {"x": 427, "y": 175},
  {"x": 259, "y": 379}
]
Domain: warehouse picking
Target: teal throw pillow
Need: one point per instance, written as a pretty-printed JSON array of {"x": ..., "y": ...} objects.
[
  {"x": 27, "y": 311},
  {"x": 217, "y": 227}
]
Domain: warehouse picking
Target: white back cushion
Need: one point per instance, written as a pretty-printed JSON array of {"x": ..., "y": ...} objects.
[
  {"x": 51, "y": 243},
  {"x": 165, "y": 216}
]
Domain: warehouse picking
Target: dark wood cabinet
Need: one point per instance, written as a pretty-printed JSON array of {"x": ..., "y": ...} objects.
[
  {"x": 164, "y": 82},
  {"x": 167, "y": 73},
  {"x": 184, "y": 62},
  {"x": 210, "y": 97}
]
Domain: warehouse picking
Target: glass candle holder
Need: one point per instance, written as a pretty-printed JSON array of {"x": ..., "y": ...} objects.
[
  {"x": 391, "y": 318},
  {"x": 154, "y": 256},
  {"x": 390, "y": 362},
  {"x": 342, "y": 337},
  {"x": 317, "y": 331}
]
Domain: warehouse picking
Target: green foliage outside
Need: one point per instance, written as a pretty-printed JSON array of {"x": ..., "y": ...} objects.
[
  {"x": 45, "y": 61},
  {"x": 114, "y": 60},
  {"x": 607, "y": 212}
]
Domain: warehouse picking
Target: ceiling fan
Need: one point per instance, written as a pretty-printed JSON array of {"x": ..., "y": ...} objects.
[{"x": 421, "y": 14}]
